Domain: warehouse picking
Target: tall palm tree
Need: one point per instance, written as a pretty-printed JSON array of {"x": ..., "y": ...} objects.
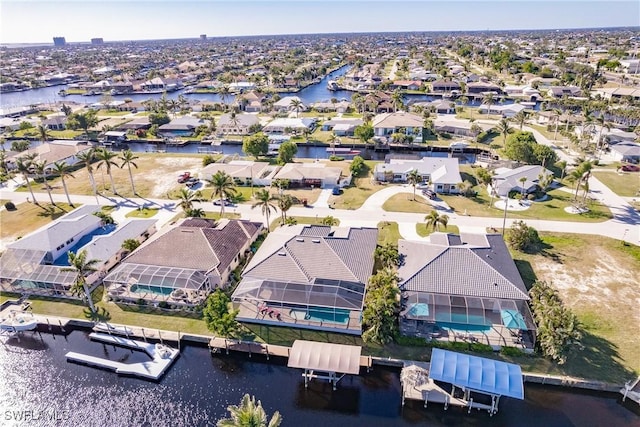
[
  {"x": 79, "y": 264},
  {"x": 296, "y": 105},
  {"x": 285, "y": 202},
  {"x": 396, "y": 97},
  {"x": 413, "y": 178},
  {"x": 106, "y": 159},
  {"x": 186, "y": 198},
  {"x": 520, "y": 118},
  {"x": 488, "y": 100},
  {"x": 434, "y": 220},
  {"x": 556, "y": 118},
  {"x": 264, "y": 200},
  {"x": 43, "y": 133},
  {"x": 562, "y": 165},
  {"x": 40, "y": 168},
  {"x": 249, "y": 414},
  {"x": 128, "y": 158},
  {"x": 503, "y": 128},
  {"x": 62, "y": 170},
  {"x": 224, "y": 92},
  {"x": 87, "y": 158},
  {"x": 522, "y": 180},
  {"x": 24, "y": 165},
  {"x": 223, "y": 188}
]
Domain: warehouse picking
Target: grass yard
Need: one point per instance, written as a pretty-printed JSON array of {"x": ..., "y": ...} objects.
[
  {"x": 142, "y": 213},
  {"x": 625, "y": 184},
  {"x": 424, "y": 231},
  {"x": 353, "y": 197},
  {"x": 28, "y": 217},
  {"x": 388, "y": 233},
  {"x": 404, "y": 202},
  {"x": 602, "y": 290},
  {"x": 277, "y": 222}
]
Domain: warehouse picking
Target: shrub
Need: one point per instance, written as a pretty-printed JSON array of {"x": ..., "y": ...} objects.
[
  {"x": 163, "y": 304},
  {"x": 523, "y": 238},
  {"x": 335, "y": 158},
  {"x": 410, "y": 341},
  {"x": 10, "y": 206},
  {"x": 511, "y": 351},
  {"x": 208, "y": 159},
  {"x": 531, "y": 196}
]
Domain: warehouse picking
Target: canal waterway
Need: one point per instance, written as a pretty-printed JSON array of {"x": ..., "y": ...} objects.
[{"x": 37, "y": 381}]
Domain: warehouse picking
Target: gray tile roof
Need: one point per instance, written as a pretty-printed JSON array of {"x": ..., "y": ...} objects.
[
  {"x": 104, "y": 247},
  {"x": 474, "y": 268}
]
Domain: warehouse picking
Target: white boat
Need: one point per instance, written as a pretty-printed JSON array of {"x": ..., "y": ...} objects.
[{"x": 17, "y": 322}]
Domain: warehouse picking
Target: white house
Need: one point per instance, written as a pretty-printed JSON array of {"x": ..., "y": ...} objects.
[
  {"x": 238, "y": 124},
  {"x": 442, "y": 172},
  {"x": 524, "y": 178},
  {"x": 53, "y": 151},
  {"x": 282, "y": 125},
  {"x": 386, "y": 124},
  {"x": 286, "y": 104}
]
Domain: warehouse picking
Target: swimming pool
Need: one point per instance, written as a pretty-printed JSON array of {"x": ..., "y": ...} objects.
[
  {"x": 462, "y": 322},
  {"x": 100, "y": 231},
  {"x": 322, "y": 315},
  {"x": 143, "y": 289}
]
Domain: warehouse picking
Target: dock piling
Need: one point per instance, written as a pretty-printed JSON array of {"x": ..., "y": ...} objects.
[{"x": 61, "y": 327}]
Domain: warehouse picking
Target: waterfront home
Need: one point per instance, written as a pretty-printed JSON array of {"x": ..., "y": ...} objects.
[
  {"x": 241, "y": 86},
  {"x": 180, "y": 267},
  {"x": 387, "y": 124},
  {"x": 286, "y": 104},
  {"x": 289, "y": 125},
  {"x": 342, "y": 127},
  {"x": 480, "y": 88},
  {"x": 618, "y": 93},
  {"x": 508, "y": 111},
  {"x": 16, "y": 112},
  {"x": 311, "y": 277},
  {"x": 442, "y": 106},
  {"x": 236, "y": 124},
  {"x": 507, "y": 180},
  {"x": 55, "y": 122},
  {"x": 406, "y": 85},
  {"x": 442, "y": 173},
  {"x": 243, "y": 172},
  {"x": 313, "y": 175},
  {"x": 445, "y": 86},
  {"x": 338, "y": 107},
  {"x": 464, "y": 288},
  {"x": 136, "y": 124},
  {"x": 250, "y": 102},
  {"x": 182, "y": 126},
  {"x": 161, "y": 84},
  {"x": 560, "y": 91},
  {"x": 459, "y": 127},
  {"x": 53, "y": 151},
  {"x": 36, "y": 263}
]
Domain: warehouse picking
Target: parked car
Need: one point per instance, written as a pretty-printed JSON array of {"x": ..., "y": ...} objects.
[
  {"x": 429, "y": 193},
  {"x": 336, "y": 191},
  {"x": 631, "y": 168},
  {"x": 192, "y": 182},
  {"x": 219, "y": 202},
  {"x": 184, "y": 177}
]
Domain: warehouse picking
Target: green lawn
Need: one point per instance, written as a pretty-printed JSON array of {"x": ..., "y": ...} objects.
[
  {"x": 28, "y": 217},
  {"x": 142, "y": 213},
  {"x": 112, "y": 113},
  {"x": 404, "y": 202},
  {"x": 277, "y": 222},
  {"x": 353, "y": 197},
  {"x": 424, "y": 231},
  {"x": 388, "y": 233},
  {"x": 625, "y": 184}
]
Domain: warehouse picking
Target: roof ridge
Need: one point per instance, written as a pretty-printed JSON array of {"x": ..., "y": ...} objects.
[
  {"x": 343, "y": 241},
  {"x": 427, "y": 264},
  {"x": 499, "y": 272}
]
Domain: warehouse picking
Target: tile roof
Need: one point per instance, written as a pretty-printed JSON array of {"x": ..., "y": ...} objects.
[
  {"x": 104, "y": 247},
  {"x": 398, "y": 119},
  {"x": 478, "y": 266}
]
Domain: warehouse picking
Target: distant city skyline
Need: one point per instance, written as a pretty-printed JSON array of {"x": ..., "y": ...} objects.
[{"x": 28, "y": 21}]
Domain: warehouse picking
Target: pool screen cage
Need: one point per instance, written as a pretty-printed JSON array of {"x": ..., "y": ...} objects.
[
  {"x": 337, "y": 295},
  {"x": 157, "y": 276},
  {"x": 21, "y": 270},
  {"x": 466, "y": 310}
]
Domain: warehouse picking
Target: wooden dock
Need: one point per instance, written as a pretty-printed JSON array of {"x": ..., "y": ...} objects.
[
  {"x": 631, "y": 391},
  {"x": 162, "y": 357}
]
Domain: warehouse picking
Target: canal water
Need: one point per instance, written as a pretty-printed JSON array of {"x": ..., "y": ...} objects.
[{"x": 37, "y": 382}]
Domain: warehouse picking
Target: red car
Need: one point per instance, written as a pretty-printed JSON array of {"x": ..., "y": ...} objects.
[
  {"x": 184, "y": 177},
  {"x": 630, "y": 168}
]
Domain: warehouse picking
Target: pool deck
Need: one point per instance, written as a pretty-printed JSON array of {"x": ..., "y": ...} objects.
[{"x": 153, "y": 369}]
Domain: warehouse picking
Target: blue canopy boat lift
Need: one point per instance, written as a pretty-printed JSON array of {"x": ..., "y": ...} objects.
[{"x": 471, "y": 374}]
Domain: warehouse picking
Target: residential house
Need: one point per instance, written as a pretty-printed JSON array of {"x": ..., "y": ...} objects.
[
  {"x": 286, "y": 104},
  {"x": 182, "y": 126},
  {"x": 243, "y": 172},
  {"x": 442, "y": 173},
  {"x": 180, "y": 267},
  {"x": 161, "y": 84},
  {"x": 625, "y": 152},
  {"x": 387, "y": 124},
  {"x": 314, "y": 175},
  {"x": 507, "y": 110},
  {"x": 311, "y": 277},
  {"x": 443, "y": 106},
  {"x": 478, "y": 88},
  {"x": 53, "y": 151},
  {"x": 55, "y": 122},
  {"x": 455, "y": 126},
  {"x": 36, "y": 263},
  {"x": 338, "y": 107},
  {"x": 630, "y": 66},
  {"x": 507, "y": 180},
  {"x": 236, "y": 124},
  {"x": 250, "y": 102},
  {"x": 342, "y": 127},
  {"x": 619, "y": 93},
  {"x": 289, "y": 125},
  {"x": 560, "y": 91},
  {"x": 406, "y": 85},
  {"x": 464, "y": 287},
  {"x": 445, "y": 86}
]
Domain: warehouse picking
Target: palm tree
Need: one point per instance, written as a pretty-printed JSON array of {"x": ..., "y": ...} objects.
[
  {"x": 87, "y": 157},
  {"x": 128, "y": 158},
  {"x": 195, "y": 213},
  {"x": 187, "y": 198},
  {"x": 488, "y": 100},
  {"x": 24, "y": 165},
  {"x": 62, "y": 170},
  {"x": 396, "y": 97},
  {"x": 520, "y": 118},
  {"x": 223, "y": 188},
  {"x": 556, "y": 118},
  {"x": 522, "y": 181},
  {"x": 43, "y": 133},
  {"x": 413, "y": 178},
  {"x": 562, "y": 165},
  {"x": 503, "y": 128},
  {"x": 249, "y": 414},
  {"x": 434, "y": 220},
  {"x": 106, "y": 158},
  {"x": 40, "y": 170},
  {"x": 333, "y": 140},
  {"x": 78, "y": 263},
  {"x": 264, "y": 200},
  {"x": 296, "y": 105},
  {"x": 224, "y": 92},
  {"x": 285, "y": 202}
]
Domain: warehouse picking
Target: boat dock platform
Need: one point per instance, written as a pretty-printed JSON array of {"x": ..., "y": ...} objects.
[
  {"x": 162, "y": 357},
  {"x": 631, "y": 391},
  {"x": 216, "y": 345}
]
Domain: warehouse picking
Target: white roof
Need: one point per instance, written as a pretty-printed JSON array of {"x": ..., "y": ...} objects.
[{"x": 325, "y": 357}]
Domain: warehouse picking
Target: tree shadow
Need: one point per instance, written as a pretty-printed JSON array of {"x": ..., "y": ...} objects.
[
  {"x": 100, "y": 315},
  {"x": 526, "y": 272}
]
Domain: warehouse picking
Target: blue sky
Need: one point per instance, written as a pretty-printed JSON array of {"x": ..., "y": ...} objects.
[{"x": 27, "y": 21}]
